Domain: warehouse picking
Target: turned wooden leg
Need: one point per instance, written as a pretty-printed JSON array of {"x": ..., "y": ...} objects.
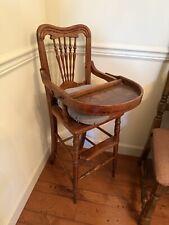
[
  {"x": 76, "y": 144},
  {"x": 145, "y": 152},
  {"x": 82, "y": 141},
  {"x": 53, "y": 139},
  {"x": 144, "y": 173},
  {"x": 115, "y": 148},
  {"x": 148, "y": 209}
]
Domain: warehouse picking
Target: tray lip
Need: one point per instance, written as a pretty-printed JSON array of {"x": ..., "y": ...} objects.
[{"x": 93, "y": 109}]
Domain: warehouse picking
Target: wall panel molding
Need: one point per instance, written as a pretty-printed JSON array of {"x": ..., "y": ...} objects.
[
  {"x": 127, "y": 51},
  {"x": 9, "y": 62},
  {"x": 12, "y": 61},
  {"x": 131, "y": 52}
]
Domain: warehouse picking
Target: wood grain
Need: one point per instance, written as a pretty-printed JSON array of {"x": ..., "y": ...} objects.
[{"x": 102, "y": 200}]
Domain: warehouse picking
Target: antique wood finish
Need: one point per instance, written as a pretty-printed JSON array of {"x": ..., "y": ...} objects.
[
  {"x": 54, "y": 140},
  {"x": 149, "y": 203},
  {"x": 105, "y": 99},
  {"x": 97, "y": 149},
  {"x": 149, "y": 206},
  {"x": 76, "y": 145},
  {"x": 113, "y": 98},
  {"x": 115, "y": 147},
  {"x": 65, "y": 54}
]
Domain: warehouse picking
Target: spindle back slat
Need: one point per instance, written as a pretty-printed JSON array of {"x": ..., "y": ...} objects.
[
  {"x": 64, "y": 42},
  {"x": 66, "y": 57}
]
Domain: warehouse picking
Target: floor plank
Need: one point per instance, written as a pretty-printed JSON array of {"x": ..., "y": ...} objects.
[
  {"x": 51, "y": 204},
  {"x": 102, "y": 200},
  {"x": 31, "y": 218}
]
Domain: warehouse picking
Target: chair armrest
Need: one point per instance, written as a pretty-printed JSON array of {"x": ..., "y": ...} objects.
[
  {"x": 59, "y": 92},
  {"x": 106, "y": 76}
]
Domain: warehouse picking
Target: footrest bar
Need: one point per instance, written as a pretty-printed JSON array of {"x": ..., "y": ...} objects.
[
  {"x": 98, "y": 149},
  {"x": 96, "y": 168}
]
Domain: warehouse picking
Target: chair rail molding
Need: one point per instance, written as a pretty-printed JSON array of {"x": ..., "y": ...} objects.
[
  {"x": 126, "y": 51},
  {"x": 131, "y": 51},
  {"x": 11, "y": 61}
]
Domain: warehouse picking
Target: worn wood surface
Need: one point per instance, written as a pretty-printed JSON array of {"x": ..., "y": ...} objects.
[
  {"x": 112, "y": 98},
  {"x": 122, "y": 95},
  {"x": 102, "y": 199}
]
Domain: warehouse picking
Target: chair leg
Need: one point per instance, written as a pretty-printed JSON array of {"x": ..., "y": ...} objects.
[
  {"x": 148, "y": 209},
  {"x": 83, "y": 136},
  {"x": 115, "y": 149},
  {"x": 54, "y": 131},
  {"x": 76, "y": 144},
  {"x": 145, "y": 152}
]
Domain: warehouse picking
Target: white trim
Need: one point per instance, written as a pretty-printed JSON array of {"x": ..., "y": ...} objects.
[
  {"x": 132, "y": 150},
  {"x": 9, "y": 62},
  {"x": 131, "y": 52},
  {"x": 20, "y": 204},
  {"x": 126, "y": 51}
]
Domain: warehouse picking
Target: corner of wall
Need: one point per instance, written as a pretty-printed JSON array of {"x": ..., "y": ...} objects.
[{"x": 20, "y": 204}]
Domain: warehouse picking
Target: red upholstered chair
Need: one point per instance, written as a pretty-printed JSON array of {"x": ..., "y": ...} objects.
[
  {"x": 158, "y": 142},
  {"x": 75, "y": 102}
]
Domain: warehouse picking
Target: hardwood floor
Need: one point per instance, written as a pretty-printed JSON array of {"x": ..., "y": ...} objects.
[{"x": 103, "y": 200}]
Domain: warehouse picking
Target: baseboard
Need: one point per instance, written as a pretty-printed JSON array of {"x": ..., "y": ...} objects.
[
  {"x": 27, "y": 191},
  {"x": 131, "y": 150}
]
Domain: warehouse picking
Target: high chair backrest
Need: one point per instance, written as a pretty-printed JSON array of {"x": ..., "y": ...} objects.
[{"x": 63, "y": 42}]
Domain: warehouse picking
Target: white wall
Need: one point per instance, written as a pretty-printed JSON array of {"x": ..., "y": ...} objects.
[
  {"x": 130, "y": 38},
  {"x": 129, "y": 22},
  {"x": 19, "y": 20},
  {"x": 23, "y": 122}
]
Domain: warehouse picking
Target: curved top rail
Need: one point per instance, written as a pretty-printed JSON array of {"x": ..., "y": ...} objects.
[{"x": 48, "y": 29}]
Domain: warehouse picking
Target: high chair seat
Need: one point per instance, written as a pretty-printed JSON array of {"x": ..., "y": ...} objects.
[{"x": 81, "y": 117}]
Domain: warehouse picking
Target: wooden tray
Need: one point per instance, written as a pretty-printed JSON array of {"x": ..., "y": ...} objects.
[{"x": 119, "y": 95}]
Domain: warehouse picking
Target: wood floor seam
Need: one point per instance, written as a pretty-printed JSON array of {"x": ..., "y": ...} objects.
[
  {"x": 58, "y": 217},
  {"x": 100, "y": 202}
]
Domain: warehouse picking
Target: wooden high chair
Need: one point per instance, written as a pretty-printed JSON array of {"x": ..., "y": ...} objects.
[
  {"x": 79, "y": 105},
  {"x": 158, "y": 142}
]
